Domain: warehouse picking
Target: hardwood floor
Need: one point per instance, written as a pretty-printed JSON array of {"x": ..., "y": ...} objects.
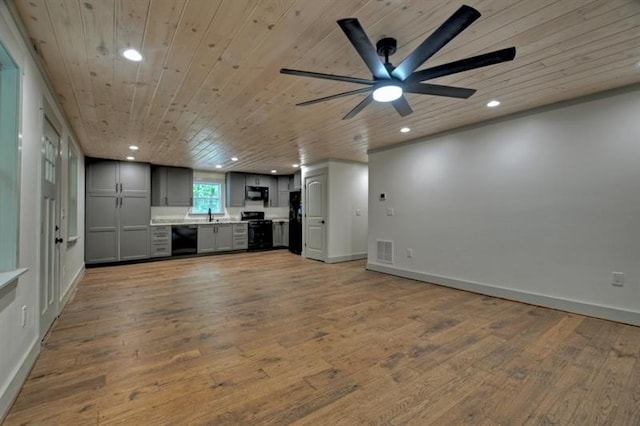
[{"x": 272, "y": 338}]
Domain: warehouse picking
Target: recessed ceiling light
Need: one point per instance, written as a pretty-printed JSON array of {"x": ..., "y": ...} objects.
[
  {"x": 493, "y": 103},
  {"x": 130, "y": 158},
  {"x": 234, "y": 158},
  {"x": 295, "y": 166},
  {"x": 274, "y": 171},
  {"x": 133, "y": 148},
  {"x": 132, "y": 54},
  {"x": 405, "y": 130},
  {"x": 218, "y": 166}
]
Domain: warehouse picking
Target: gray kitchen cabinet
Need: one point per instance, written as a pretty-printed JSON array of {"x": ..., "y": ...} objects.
[
  {"x": 285, "y": 185},
  {"x": 256, "y": 180},
  {"x": 206, "y": 239},
  {"x": 277, "y": 234},
  {"x": 171, "y": 186},
  {"x": 272, "y": 184},
  {"x": 285, "y": 234},
  {"x": 224, "y": 237},
  {"x": 280, "y": 234},
  {"x": 297, "y": 180},
  {"x": 215, "y": 237},
  {"x": 160, "y": 241},
  {"x": 235, "y": 187},
  {"x": 101, "y": 239},
  {"x": 117, "y": 211},
  {"x": 240, "y": 236}
]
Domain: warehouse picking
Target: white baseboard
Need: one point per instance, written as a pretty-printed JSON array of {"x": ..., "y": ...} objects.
[
  {"x": 346, "y": 258},
  {"x": 598, "y": 311},
  {"x": 74, "y": 284},
  {"x": 13, "y": 389}
]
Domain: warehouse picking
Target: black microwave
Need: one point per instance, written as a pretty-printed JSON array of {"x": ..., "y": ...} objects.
[{"x": 257, "y": 193}]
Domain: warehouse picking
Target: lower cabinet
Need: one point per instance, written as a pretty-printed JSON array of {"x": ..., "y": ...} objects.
[
  {"x": 280, "y": 234},
  {"x": 240, "y": 236},
  {"x": 215, "y": 237},
  {"x": 160, "y": 241}
]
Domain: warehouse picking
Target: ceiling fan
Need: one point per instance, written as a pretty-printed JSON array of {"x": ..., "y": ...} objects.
[{"x": 389, "y": 83}]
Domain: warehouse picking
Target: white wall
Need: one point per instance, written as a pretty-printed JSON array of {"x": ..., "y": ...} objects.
[
  {"x": 347, "y": 194},
  {"x": 19, "y": 346},
  {"x": 541, "y": 207}
]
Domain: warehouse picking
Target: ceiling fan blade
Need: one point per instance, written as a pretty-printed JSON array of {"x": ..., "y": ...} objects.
[
  {"x": 438, "y": 90},
  {"x": 453, "y": 26},
  {"x": 359, "y": 39},
  {"x": 366, "y": 101},
  {"x": 467, "y": 64},
  {"x": 338, "y": 95},
  {"x": 402, "y": 106},
  {"x": 327, "y": 76}
]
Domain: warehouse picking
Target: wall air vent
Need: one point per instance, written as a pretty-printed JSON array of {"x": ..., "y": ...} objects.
[{"x": 385, "y": 251}]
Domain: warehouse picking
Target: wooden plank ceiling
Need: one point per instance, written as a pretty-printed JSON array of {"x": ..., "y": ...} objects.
[{"x": 209, "y": 87}]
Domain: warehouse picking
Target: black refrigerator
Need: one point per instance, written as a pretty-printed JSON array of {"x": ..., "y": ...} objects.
[{"x": 295, "y": 222}]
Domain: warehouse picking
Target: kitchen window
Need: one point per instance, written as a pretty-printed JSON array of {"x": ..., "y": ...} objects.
[
  {"x": 9, "y": 161},
  {"x": 72, "y": 197},
  {"x": 207, "y": 195}
]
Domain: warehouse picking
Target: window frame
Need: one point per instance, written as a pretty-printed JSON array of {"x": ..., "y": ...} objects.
[
  {"x": 72, "y": 187},
  {"x": 220, "y": 191},
  {"x": 10, "y": 73}
]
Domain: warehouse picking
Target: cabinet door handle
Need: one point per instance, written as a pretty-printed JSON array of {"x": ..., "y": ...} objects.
[
  {"x": 191, "y": 201},
  {"x": 116, "y": 187},
  {"x": 121, "y": 187},
  {"x": 166, "y": 201},
  {"x": 121, "y": 198}
]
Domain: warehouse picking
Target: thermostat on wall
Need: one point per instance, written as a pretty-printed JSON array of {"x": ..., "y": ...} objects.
[{"x": 383, "y": 196}]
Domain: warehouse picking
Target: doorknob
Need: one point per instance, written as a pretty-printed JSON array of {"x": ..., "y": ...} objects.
[
  {"x": 58, "y": 240},
  {"x": 322, "y": 221}
]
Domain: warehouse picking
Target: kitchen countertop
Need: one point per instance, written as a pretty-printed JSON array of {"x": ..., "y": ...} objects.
[{"x": 196, "y": 221}]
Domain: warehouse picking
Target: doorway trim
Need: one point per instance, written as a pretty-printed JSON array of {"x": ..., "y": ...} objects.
[
  {"x": 48, "y": 117},
  {"x": 311, "y": 174}
]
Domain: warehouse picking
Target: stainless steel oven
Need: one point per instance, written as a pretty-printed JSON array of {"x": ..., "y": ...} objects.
[{"x": 260, "y": 230}]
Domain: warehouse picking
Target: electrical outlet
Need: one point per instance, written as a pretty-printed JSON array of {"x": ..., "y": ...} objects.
[
  {"x": 390, "y": 211},
  {"x": 23, "y": 317},
  {"x": 358, "y": 212},
  {"x": 617, "y": 279},
  {"x": 409, "y": 253}
]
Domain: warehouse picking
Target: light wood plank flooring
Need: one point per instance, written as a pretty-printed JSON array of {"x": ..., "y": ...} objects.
[{"x": 272, "y": 338}]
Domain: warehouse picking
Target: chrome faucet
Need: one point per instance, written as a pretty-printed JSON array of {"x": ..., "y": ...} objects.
[{"x": 210, "y": 216}]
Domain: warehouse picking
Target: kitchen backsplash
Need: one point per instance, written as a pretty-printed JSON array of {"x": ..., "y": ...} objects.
[{"x": 231, "y": 213}]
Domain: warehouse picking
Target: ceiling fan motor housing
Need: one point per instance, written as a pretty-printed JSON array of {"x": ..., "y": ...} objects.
[{"x": 386, "y": 47}]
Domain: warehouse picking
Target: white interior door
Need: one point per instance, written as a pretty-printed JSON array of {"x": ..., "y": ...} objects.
[
  {"x": 49, "y": 229},
  {"x": 315, "y": 226}
]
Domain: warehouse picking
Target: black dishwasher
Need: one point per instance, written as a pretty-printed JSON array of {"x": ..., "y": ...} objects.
[{"x": 184, "y": 239}]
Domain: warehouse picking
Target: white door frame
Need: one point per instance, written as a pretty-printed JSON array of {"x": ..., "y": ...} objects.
[
  {"x": 310, "y": 176},
  {"x": 50, "y": 224}
]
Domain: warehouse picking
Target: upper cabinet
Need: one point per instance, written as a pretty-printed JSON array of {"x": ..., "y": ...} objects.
[
  {"x": 235, "y": 183},
  {"x": 171, "y": 186},
  {"x": 279, "y": 188},
  {"x": 285, "y": 185},
  {"x": 297, "y": 180},
  {"x": 257, "y": 180}
]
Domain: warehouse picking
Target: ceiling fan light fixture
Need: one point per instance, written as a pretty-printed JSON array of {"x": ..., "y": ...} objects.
[{"x": 387, "y": 92}]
